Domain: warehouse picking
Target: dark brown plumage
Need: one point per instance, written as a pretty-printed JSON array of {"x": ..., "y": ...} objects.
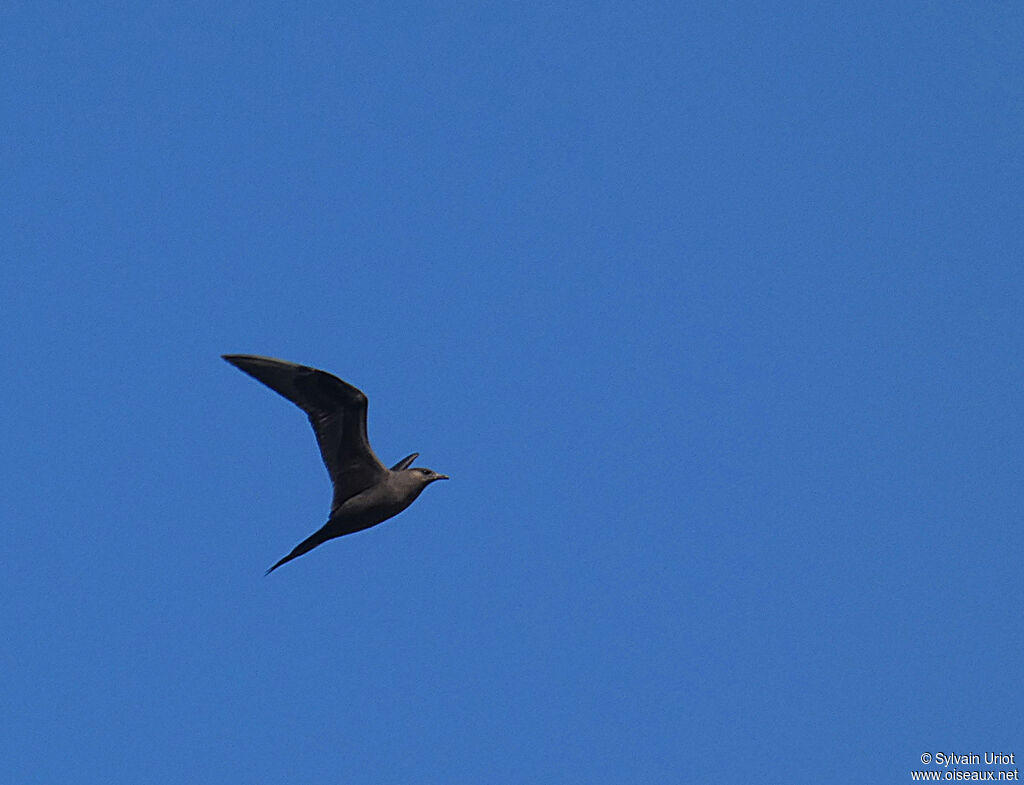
[{"x": 365, "y": 491}]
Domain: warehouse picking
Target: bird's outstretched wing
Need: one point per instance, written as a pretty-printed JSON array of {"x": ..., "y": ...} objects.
[
  {"x": 405, "y": 463},
  {"x": 337, "y": 412}
]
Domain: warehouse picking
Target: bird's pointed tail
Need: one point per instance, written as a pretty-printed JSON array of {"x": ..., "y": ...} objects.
[{"x": 308, "y": 544}]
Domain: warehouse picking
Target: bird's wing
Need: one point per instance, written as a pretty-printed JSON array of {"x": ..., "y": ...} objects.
[
  {"x": 337, "y": 412},
  {"x": 405, "y": 463}
]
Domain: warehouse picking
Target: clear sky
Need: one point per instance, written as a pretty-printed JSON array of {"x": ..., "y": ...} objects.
[{"x": 712, "y": 312}]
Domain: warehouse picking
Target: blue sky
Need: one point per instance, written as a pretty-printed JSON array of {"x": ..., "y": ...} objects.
[{"x": 712, "y": 312}]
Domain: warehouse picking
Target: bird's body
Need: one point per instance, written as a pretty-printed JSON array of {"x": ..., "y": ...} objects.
[{"x": 365, "y": 491}]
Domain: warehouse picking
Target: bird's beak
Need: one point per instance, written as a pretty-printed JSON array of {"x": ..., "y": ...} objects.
[{"x": 442, "y": 477}]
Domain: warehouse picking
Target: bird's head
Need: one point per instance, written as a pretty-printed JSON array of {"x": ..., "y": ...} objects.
[{"x": 427, "y": 476}]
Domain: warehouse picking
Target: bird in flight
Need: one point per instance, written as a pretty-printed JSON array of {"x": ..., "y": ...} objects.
[{"x": 365, "y": 491}]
